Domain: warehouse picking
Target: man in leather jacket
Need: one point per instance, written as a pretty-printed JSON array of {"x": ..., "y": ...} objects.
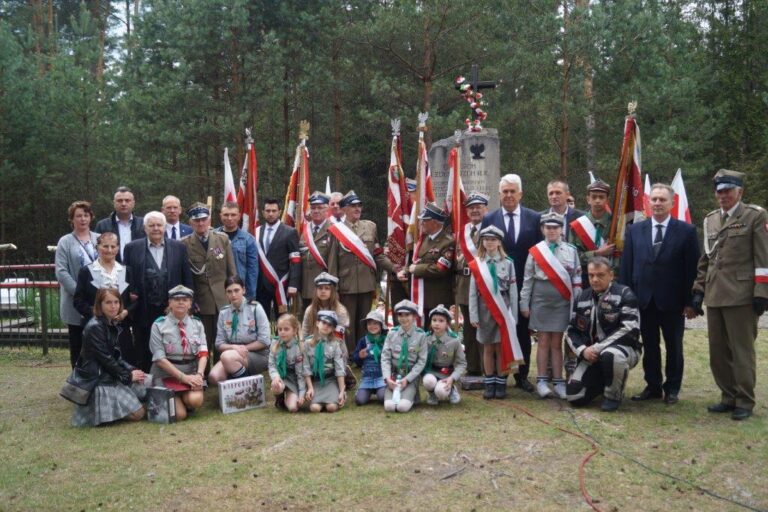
[{"x": 605, "y": 336}]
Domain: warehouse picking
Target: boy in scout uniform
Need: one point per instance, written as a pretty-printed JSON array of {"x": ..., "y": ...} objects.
[
  {"x": 211, "y": 262},
  {"x": 598, "y": 193},
  {"x": 318, "y": 227},
  {"x": 732, "y": 281},
  {"x": 445, "y": 359},
  {"x": 476, "y": 206},
  {"x": 434, "y": 262},
  {"x": 357, "y": 281}
]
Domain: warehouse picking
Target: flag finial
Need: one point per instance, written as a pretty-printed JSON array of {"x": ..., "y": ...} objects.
[
  {"x": 248, "y": 136},
  {"x": 303, "y": 130},
  {"x": 423, "y": 116},
  {"x": 632, "y": 107},
  {"x": 395, "y": 123}
]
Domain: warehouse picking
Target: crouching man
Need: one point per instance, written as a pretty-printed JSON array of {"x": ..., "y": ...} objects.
[{"x": 604, "y": 333}]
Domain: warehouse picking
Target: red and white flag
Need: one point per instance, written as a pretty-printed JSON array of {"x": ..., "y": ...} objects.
[
  {"x": 247, "y": 198},
  {"x": 398, "y": 207},
  {"x": 230, "y": 194},
  {"x": 297, "y": 195},
  {"x": 628, "y": 202},
  {"x": 647, "y": 197},
  {"x": 680, "y": 210}
]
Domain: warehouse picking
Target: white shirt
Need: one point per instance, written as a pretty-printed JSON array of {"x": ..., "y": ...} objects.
[
  {"x": 269, "y": 235},
  {"x": 157, "y": 252},
  {"x": 516, "y": 218},
  {"x": 435, "y": 235},
  {"x": 663, "y": 225},
  {"x": 124, "y": 230},
  {"x": 731, "y": 211},
  {"x": 169, "y": 230}
]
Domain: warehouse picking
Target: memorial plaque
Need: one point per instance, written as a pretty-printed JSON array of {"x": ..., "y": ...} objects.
[{"x": 480, "y": 164}]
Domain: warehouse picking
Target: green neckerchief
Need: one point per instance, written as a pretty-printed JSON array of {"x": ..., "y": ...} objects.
[
  {"x": 553, "y": 247},
  {"x": 598, "y": 234},
  {"x": 402, "y": 359},
  {"x": 235, "y": 320},
  {"x": 282, "y": 360},
  {"x": 318, "y": 367},
  {"x": 492, "y": 269},
  {"x": 431, "y": 354},
  {"x": 377, "y": 342}
]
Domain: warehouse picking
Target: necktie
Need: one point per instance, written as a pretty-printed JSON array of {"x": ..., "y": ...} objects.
[
  {"x": 315, "y": 229},
  {"x": 657, "y": 240},
  {"x": 184, "y": 340},
  {"x": 173, "y": 232},
  {"x": 268, "y": 240},
  {"x": 473, "y": 232},
  {"x": 511, "y": 227},
  {"x": 725, "y": 219},
  {"x": 235, "y": 321}
]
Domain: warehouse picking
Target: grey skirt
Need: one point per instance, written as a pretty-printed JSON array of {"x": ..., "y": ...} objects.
[
  {"x": 409, "y": 393},
  {"x": 108, "y": 403},
  {"x": 291, "y": 382},
  {"x": 327, "y": 393},
  {"x": 550, "y": 312}
]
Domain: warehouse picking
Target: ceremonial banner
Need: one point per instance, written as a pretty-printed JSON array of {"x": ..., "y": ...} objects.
[
  {"x": 247, "y": 198},
  {"x": 680, "y": 209},
  {"x": 647, "y": 197},
  {"x": 297, "y": 195},
  {"x": 398, "y": 207},
  {"x": 230, "y": 194},
  {"x": 628, "y": 202}
]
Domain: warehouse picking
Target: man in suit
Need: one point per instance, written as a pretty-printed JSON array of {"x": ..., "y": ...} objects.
[
  {"x": 521, "y": 232},
  {"x": 174, "y": 228},
  {"x": 558, "y": 192},
  {"x": 311, "y": 266},
  {"x": 122, "y": 221},
  {"x": 156, "y": 264},
  {"x": 280, "y": 244},
  {"x": 659, "y": 264},
  {"x": 243, "y": 246},
  {"x": 211, "y": 262},
  {"x": 732, "y": 281}
]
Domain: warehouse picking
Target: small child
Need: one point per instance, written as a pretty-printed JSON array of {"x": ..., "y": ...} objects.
[
  {"x": 286, "y": 364},
  {"x": 445, "y": 359},
  {"x": 405, "y": 351},
  {"x": 322, "y": 362},
  {"x": 500, "y": 266},
  {"x": 367, "y": 355}
]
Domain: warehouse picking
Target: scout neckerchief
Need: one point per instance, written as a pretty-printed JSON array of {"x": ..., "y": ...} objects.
[
  {"x": 183, "y": 336},
  {"x": 402, "y": 359},
  {"x": 318, "y": 365},
  {"x": 494, "y": 275},
  {"x": 376, "y": 342},
  {"x": 282, "y": 359},
  {"x": 235, "y": 321},
  {"x": 431, "y": 353}
]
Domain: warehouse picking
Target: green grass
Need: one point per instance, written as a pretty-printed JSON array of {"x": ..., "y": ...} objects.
[{"x": 475, "y": 456}]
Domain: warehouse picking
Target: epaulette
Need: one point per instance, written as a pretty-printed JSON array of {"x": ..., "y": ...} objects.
[
  {"x": 712, "y": 213},
  {"x": 159, "y": 319},
  {"x": 754, "y": 207},
  {"x": 510, "y": 259}
]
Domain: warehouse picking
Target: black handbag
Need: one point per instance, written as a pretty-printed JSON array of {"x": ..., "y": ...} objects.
[{"x": 79, "y": 386}]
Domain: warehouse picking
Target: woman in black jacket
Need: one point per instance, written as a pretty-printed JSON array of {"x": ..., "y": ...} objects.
[{"x": 116, "y": 396}]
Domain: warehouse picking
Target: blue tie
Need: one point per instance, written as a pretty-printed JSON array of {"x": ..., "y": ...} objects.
[
  {"x": 511, "y": 228},
  {"x": 173, "y": 232}
]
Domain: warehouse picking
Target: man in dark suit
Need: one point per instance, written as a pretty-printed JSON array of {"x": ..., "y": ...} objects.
[
  {"x": 280, "y": 245},
  {"x": 659, "y": 264},
  {"x": 521, "y": 232},
  {"x": 155, "y": 265},
  {"x": 122, "y": 221},
  {"x": 558, "y": 192},
  {"x": 174, "y": 228}
]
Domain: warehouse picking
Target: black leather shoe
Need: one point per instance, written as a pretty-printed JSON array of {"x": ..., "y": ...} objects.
[
  {"x": 647, "y": 394},
  {"x": 524, "y": 385},
  {"x": 609, "y": 405},
  {"x": 721, "y": 407},
  {"x": 740, "y": 413},
  {"x": 671, "y": 398},
  {"x": 501, "y": 390}
]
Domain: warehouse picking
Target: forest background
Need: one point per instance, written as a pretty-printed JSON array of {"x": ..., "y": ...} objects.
[{"x": 147, "y": 93}]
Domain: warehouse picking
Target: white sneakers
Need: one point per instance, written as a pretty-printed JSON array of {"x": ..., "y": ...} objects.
[
  {"x": 542, "y": 388},
  {"x": 454, "y": 397},
  {"x": 560, "y": 390}
]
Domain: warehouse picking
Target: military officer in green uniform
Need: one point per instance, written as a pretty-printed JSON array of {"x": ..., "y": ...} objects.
[
  {"x": 476, "y": 205},
  {"x": 732, "y": 281},
  {"x": 350, "y": 249},
  {"x": 312, "y": 264},
  {"x": 434, "y": 261},
  {"x": 589, "y": 233}
]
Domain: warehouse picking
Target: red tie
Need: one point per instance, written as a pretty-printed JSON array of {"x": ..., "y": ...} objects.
[{"x": 184, "y": 341}]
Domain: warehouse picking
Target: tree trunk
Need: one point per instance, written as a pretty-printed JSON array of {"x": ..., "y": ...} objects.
[
  {"x": 564, "y": 95},
  {"x": 589, "y": 119},
  {"x": 336, "y": 50},
  {"x": 39, "y": 31},
  {"x": 286, "y": 126}
]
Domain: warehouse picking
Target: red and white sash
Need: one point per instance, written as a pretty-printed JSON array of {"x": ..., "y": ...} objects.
[
  {"x": 469, "y": 245},
  {"x": 552, "y": 267},
  {"x": 352, "y": 243},
  {"x": 510, "y": 345},
  {"x": 309, "y": 239},
  {"x": 266, "y": 267},
  {"x": 417, "y": 287},
  {"x": 587, "y": 233}
]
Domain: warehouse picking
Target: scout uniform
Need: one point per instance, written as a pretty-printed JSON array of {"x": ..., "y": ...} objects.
[
  {"x": 461, "y": 287},
  {"x": 435, "y": 260},
  {"x": 324, "y": 363},
  {"x": 602, "y": 226},
  {"x": 241, "y": 326},
  {"x": 445, "y": 358},
  {"x": 371, "y": 381},
  {"x": 403, "y": 356},
  {"x": 166, "y": 340},
  {"x": 211, "y": 262},
  {"x": 732, "y": 281},
  {"x": 310, "y": 268},
  {"x": 357, "y": 281},
  {"x": 286, "y": 360}
]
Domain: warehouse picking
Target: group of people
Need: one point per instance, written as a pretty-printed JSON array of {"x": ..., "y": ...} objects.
[{"x": 187, "y": 294}]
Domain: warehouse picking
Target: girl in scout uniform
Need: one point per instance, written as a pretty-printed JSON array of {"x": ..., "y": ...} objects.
[
  {"x": 180, "y": 351},
  {"x": 286, "y": 364},
  {"x": 403, "y": 358},
  {"x": 242, "y": 336},
  {"x": 324, "y": 365},
  {"x": 326, "y": 298},
  {"x": 548, "y": 311},
  {"x": 446, "y": 362},
  {"x": 367, "y": 355},
  {"x": 502, "y": 269}
]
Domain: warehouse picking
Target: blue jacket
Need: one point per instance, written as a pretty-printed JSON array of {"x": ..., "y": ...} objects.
[{"x": 246, "y": 260}]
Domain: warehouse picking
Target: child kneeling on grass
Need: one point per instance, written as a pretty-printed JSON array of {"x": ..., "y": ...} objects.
[
  {"x": 405, "y": 350},
  {"x": 323, "y": 362},
  {"x": 367, "y": 355},
  {"x": 286, "y": 365},
  {"x": 446, "y": 362}
]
